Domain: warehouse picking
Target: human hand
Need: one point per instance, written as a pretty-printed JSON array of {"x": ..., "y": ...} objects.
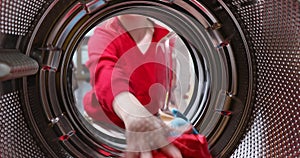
[
  {"x": 144, "y": 134},
  {"x": 144, "y": 131}
]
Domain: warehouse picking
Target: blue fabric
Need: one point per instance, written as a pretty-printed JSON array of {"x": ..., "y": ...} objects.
[{"x": 181, "y": 120}]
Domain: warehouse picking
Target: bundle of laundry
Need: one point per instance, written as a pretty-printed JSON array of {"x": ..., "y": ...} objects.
[{"x": 190, "y": 143}]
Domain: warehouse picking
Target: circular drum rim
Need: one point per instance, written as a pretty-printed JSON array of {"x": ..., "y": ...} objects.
[{"x": 213, "y": 120}]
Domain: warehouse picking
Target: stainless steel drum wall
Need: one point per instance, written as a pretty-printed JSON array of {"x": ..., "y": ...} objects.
[
  {"x": 16, "y": 139},
  {"x": 16, "y": 17},
  {"x": 274, "y": 28}
]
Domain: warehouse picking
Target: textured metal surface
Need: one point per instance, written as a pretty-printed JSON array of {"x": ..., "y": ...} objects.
[
  {"x": 19, "y": 65},
  {"x": 274, "y": 28},
  {"x": 15, "y": 138},
  {"x": 17, "y": 16}
]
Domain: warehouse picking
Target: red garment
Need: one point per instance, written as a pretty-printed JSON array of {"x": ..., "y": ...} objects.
[
  {"x": 190, "y": 146},
  {"x": 116, "y": 65}
]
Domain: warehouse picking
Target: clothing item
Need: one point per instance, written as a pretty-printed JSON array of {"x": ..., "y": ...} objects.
[
  {"x": 116, "y": 65},
  {"x": 190, "y": 146}
]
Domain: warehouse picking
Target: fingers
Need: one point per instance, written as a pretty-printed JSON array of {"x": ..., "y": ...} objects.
[
  {"x": 144, "y": 135},
  {"x": 146, "y": 155},
  {"x": 168, "y": 149},
  {"x": 171, "y": 151},
  {"x": 132, "y": 155}
]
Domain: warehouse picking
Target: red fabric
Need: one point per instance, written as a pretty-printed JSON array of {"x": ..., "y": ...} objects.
[
  {"x": 190, "y": 146},
  {"x": 116, "y": 65}
]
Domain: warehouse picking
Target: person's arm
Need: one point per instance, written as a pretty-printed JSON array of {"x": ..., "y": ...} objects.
[{"x": 144, "y": 131}]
